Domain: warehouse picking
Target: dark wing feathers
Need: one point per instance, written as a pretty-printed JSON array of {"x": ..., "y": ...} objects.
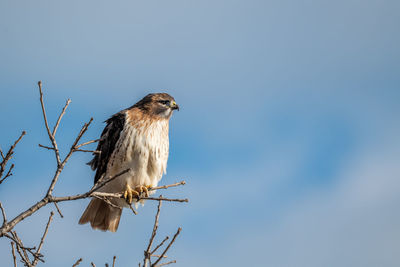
[{"x": 108, "y": 140}]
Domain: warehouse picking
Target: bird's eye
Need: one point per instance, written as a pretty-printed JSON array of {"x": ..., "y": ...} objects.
[{"x": 164, "y": 102}]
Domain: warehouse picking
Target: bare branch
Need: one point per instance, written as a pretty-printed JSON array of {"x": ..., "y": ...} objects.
[
  {"x": 118, "y": 195},
  {"x": 58, "y": 210},
  {"x": 11, "y": 224},
  {"x": 132, "y": 209},
  {"x": 87, "y": 143},
  {"x": 7, "y": 157},
  {"x": 90, "y": 151},
  {"x": 93, "y": 265},
  {"x": 147, "y": 254},
  {"x": 155, "y": 227},
  {"x": 13, "y": 253},
  {"x": 60, "y": 117},
  {"x": 158, "y": 256},
  {"x": 167, "y": 186},
  {"x": 3, "y": 212},
  {"x": 77, "y": 262},
  {"x": 158, "y": 246},
  {"x": 47, "y": 147},
  {"x": 62, "y": 164},
  {"x": 20, "y": 246},
  {"x": 35, "y": 261},
  {"x": 51, "y": 136},
  {"x": 25, "y": 261},
  {"x": 169, "y": 245},
  {"x": 165, "y": 199}
]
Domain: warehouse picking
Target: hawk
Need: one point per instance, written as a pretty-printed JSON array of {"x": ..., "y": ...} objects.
[{"x": 135, "y": 138}]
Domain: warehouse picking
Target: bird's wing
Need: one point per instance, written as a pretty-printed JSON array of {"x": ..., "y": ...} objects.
[{"x": 108, "y": 140}]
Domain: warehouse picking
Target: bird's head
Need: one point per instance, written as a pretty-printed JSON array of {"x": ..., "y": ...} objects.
[{"x": 160, "y": 105}]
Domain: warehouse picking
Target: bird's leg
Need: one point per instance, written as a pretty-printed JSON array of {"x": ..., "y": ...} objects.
[{"x": 129, "y": 193}]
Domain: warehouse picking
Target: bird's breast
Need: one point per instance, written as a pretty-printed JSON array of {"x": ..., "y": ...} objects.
[{"x": 144, "y": 149}]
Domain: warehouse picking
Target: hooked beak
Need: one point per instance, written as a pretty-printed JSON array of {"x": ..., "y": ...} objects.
[{"x": 174, "y": 106}]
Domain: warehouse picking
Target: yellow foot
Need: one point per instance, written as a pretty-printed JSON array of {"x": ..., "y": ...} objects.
[
  {"x": 143, "y": 190},
  {"x": 129, "y": 193},
  {"x": 139, "y": 191}
]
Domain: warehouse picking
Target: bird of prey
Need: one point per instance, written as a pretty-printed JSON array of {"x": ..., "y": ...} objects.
[{"x": 135, "y": 138}]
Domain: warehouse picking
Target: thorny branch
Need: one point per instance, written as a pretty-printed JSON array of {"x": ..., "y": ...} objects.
[{"x": 6, "y": 229}]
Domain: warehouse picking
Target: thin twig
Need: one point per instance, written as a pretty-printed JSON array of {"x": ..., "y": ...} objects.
[
  {"x": 132, "y": 209},
  {"x": 118, "y": 195},
  {"x": 93, "y": 265},
  {"x": 158, "y": 256},
  {"x": 155, "y": 227},
  {"x": 114, "y": 258},
  {"x": 159, "y": 245},
  {"x": 165, "y": 199},
  {"x": 51, "y": 136},
  {"x": 20, "y": 246},
  {"x": 35, "y": 262},
  {"x": 77, "y": 262},
  {"x": 58, "y": 210},
  {"x": 169, "y": 245},
  {"x": 25, "y": 261},
  {"x": 167, "y": 186},
  {"x": 62, "y": 164},
  {"x": 90, "y": 151},
  {"x": 87, "y": 143},
  {"x": 3, "y": 212},
  {"x": 7, "y": 157},
  {"x": 13, "y": 253},
  {"x": 47, "y": 147},
  {"x": 60, "y": 117}
]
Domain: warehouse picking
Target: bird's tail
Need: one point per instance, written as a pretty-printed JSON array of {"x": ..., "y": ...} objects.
[{"x": 101, "y": 215}]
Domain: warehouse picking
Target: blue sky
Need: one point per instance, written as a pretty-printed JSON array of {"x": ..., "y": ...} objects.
[{"x": 288, "y": 134}]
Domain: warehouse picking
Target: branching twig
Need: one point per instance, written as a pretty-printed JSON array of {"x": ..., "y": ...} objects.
[
  {"x": 22, "y": 250},
  {"x": 51, "y": 136},
  {"x": 169, "y": 245},
  {"x": 60, "y": 117},
  {"x": 6, "y": 158},
  {"x": 35, "y": 261},
  {"x": 147, "y": 254},
  {"x": 159, "y": 245}
]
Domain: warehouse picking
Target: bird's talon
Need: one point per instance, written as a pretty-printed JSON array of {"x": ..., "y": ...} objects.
[
  {"x": 142, "y": 190},
  {"x": 130, "y": 193}
]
